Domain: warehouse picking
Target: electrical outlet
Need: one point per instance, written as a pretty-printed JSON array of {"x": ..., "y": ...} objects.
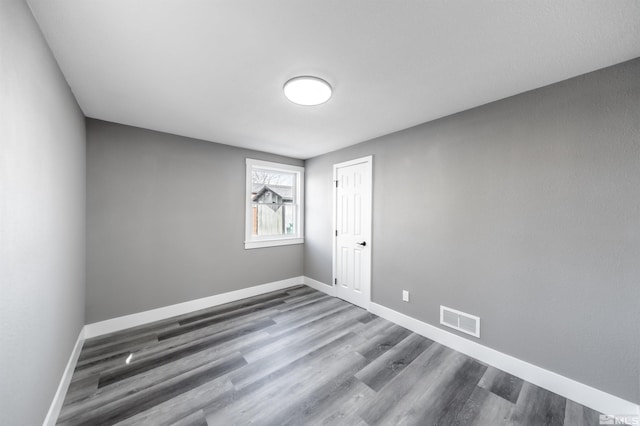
[{"x": 405, "y": 296}]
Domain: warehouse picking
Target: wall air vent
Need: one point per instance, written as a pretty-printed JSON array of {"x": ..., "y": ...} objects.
[{"x": 460, "y": 321}]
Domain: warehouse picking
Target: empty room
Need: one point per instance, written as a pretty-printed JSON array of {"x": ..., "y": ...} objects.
[{"x": 231, "y": 212}]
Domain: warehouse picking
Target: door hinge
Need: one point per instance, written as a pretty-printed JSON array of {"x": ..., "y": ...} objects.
[
  {"x": 336, "y": 183},
  {"x": 335, "y": 281},
  {"x": 336, "y": 232}
]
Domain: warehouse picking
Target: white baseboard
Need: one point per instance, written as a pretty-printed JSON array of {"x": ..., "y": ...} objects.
[
  {"x": 141, "y": 318},
  {"x": 61, "y": 392},
  {"x": 568, "y": 388},
  {"x": 320, "y": 286}
]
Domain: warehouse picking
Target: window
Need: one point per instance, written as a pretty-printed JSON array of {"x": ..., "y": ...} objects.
[{"x": 275, "y": 204}]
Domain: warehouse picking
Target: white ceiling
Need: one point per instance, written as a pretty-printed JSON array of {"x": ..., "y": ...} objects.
[{"x": 214, "y": 69}]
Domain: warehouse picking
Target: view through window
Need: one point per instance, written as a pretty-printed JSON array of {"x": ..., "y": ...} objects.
[{"x": 273, "y": 207}]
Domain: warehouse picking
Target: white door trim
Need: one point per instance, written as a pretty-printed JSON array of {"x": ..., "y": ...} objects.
[{"x": 367, "y": 159}]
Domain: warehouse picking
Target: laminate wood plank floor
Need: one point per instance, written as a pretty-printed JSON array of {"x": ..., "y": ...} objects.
[{"x": 296, "y": 357}]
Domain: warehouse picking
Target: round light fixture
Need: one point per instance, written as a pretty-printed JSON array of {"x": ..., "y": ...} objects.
[{"x": 307, "y": 90}]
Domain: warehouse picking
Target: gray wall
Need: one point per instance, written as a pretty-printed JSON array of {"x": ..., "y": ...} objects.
[
  {"x": 165, "y": 220},
  {"x": 525, "y": 212},
  {"x": 42, "y": 219}
]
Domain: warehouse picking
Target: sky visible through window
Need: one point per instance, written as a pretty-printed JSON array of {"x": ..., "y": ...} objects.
[{"x": 271, "y": 177}]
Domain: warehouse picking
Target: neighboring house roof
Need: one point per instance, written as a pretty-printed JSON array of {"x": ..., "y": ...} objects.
[{"x": 285, "y": 192}]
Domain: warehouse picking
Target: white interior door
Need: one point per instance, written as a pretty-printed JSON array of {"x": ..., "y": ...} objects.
[{"x": 352, "y": 248}]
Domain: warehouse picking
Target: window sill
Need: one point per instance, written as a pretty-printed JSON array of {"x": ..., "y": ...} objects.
[{"x": 272, "y": 243}]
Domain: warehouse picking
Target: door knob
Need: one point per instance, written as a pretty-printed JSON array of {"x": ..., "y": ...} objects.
[{"x": 363, "y": 244}]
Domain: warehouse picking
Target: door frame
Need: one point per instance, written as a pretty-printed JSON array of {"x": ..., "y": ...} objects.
[{"x": 368, "y": 159}]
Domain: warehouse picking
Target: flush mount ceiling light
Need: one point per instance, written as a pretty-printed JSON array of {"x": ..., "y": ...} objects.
[{"x": 307, "y": 90}]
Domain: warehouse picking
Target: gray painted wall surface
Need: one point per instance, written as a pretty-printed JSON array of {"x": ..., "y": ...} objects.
[
  {"x": 165, "y": 220},
  {"x": 525, "y": 212},
  {"x": 42, "y": 219}
]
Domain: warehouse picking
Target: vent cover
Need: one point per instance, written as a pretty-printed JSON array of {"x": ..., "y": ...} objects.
[{"x": 460, "y": 321}]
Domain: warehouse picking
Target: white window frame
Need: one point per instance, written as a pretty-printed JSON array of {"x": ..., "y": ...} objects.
[{"x": 251, "y": 241}]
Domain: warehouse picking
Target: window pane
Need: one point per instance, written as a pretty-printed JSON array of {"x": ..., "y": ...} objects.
[
  {"x": 273, "y": 196},
  {"x": 269, "y": 186},
  {"x": 273, "y": 219}
]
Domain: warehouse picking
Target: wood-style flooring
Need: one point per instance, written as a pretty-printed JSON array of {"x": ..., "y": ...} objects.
[{"x": 296, "y": 357}]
